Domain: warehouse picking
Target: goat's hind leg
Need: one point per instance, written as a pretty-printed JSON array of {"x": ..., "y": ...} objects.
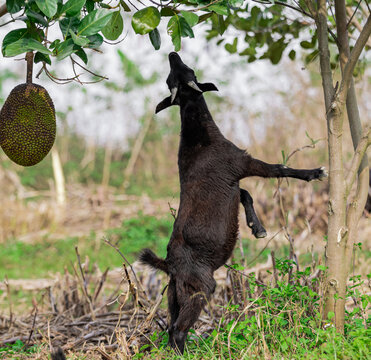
[
  {"x": 192, "y": 295},
  {"x": 173, "y": 308},
  {"x": 251, "y": 218}
]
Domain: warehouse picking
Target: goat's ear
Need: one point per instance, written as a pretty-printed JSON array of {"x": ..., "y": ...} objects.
[
  {"x": 207, "y": 87},
  {"x": 164, "y": 104}
]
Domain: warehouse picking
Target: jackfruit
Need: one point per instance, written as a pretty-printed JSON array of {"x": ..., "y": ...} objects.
[{"x": 27, "y": 124}]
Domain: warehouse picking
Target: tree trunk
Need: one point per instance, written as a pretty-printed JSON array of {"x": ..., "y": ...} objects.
[
  {"x": 357, "y": 204},
  {"x": 58, "y": 178},
  {"x": 341, "y": 228},
  {"x": 107, "y": 165},
  {"x": 336, "y": 207},
  {"x": 136, "y": 150}
]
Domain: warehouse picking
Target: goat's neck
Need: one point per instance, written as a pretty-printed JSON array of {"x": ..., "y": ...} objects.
[{"x": 198, "y": 126}]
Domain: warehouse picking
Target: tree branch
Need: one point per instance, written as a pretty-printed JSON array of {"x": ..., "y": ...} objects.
[
  {"x": 363, "y": 144},
  {"x": 324, "y": 54},
  {"x": 356, "y": 23},
  {"x": 3, "y": 10},
  {"x": 353, "y": 58}
]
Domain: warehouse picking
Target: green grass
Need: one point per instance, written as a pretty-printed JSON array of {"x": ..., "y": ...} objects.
[
  {"x": 18, "y": 350},
  {"x": 246, "y": 342},
  {"x": 47, "y": 256},
  {"x": 283, "y": 322}
]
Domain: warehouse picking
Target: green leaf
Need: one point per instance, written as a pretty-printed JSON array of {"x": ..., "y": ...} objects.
[
  {"x": 155, "y": 38},
  {"x": 90, "y": 4},
  {"x": 40, "y": 57},
  {"x": 78, "y": 40},
  {"x": 82, "y": 55},
  {"x": 48, "y": 7},
  {"x": 306, "y": 45},
  {"x": 275, "y": 51},
  {"x": 73, "y": 7},
  {"x": 284, "y": 157},
  {"x": 191, "y": 18},
  {"x": 145, "y": 20},
  {"x": 292, "y": 54},
  {"x": 95, "y": 41},
  {"x": 173, "y": 29},
  {"x": 221, "y": 24},
  {"x": 232, "y": 48},
  {"x": 35, "y": 17},
  {"x": 14, "y": 6},
  {"x": 114, "y": 27},
  {"x": 312, "y": 56},
  {"x": 14, "y": 36},
  {"x": 330, "y": 315},
  {"x": 219, "y": 9},
  {"x": 68, "y": 24},
  {"x": 64, "y": 49},
  {"x": 185, "y": 29},
  {"x": 125, "y": 6},
  {"x": 204, "y": 17},
  {"x": 23, "y": 45},
  {"x": 167, "y": 11},
  {"x": 94, "y": 22}
]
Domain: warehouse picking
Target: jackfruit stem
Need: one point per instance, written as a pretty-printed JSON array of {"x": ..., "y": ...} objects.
[{"x": 29, "y": 59}]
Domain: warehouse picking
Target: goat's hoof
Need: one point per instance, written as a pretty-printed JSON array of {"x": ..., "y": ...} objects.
[
  {"x": 260, "y": 234},
  {"x": 323, "y": 173}
]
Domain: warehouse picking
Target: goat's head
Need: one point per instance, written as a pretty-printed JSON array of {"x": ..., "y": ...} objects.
[{"x": 182, "y": 83}]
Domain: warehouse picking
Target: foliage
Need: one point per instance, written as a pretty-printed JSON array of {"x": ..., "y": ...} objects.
[
  {"x": 268, "y": 28},
  {"x": 16, "y": 349},
  {"x": 281, "y": 321}
]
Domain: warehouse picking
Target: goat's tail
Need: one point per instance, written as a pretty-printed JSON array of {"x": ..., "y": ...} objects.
[{"x": 148, "y": 257}]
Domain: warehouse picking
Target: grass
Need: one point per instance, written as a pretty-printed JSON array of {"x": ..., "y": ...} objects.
[
  {"x": 18, "y": 350},
  {"x": 23, "y": 260},
  {"x": 48, "y": 256},
  {"x": 283, "y": 323}
]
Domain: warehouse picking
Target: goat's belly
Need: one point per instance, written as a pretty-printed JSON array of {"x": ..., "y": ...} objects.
[{"x": 211, "y": 235}]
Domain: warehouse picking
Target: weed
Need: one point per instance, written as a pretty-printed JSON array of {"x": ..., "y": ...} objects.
[
  {"x": 16, "y": 350},
  {"x": 281, "y": 320}
]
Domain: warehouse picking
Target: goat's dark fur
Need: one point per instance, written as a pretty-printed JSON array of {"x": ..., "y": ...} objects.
[
  {"x": 58, "y": 354},
  {"x": 206, "y": 226},
  {"x": 368, "y": 202}
]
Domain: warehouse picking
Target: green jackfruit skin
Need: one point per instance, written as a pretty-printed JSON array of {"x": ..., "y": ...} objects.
[{"x": 27, "y": 124}]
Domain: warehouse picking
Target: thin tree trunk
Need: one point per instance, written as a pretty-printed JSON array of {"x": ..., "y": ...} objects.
[
  {"x": 58, "y": 178},
  {"x": 107, "y": 165},
  {"x": 136, "y": 150},
  {"x": 338, "y": 246},
  {"x": 358, "y": 202},
  {"x": 336, "y": 207}
]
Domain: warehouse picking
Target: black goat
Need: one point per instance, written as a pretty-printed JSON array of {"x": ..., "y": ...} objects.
[{"x": 206, "y": 226}]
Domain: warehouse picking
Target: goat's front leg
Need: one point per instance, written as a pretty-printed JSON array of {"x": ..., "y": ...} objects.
[
  {"x": 252, "y": 220},
  {"x": 254, "y": 167}
]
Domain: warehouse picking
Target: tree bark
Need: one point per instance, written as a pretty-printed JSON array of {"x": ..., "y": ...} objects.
[
  {"x": 336, "y": 207},
  {"x": 341, "y": 228}
]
